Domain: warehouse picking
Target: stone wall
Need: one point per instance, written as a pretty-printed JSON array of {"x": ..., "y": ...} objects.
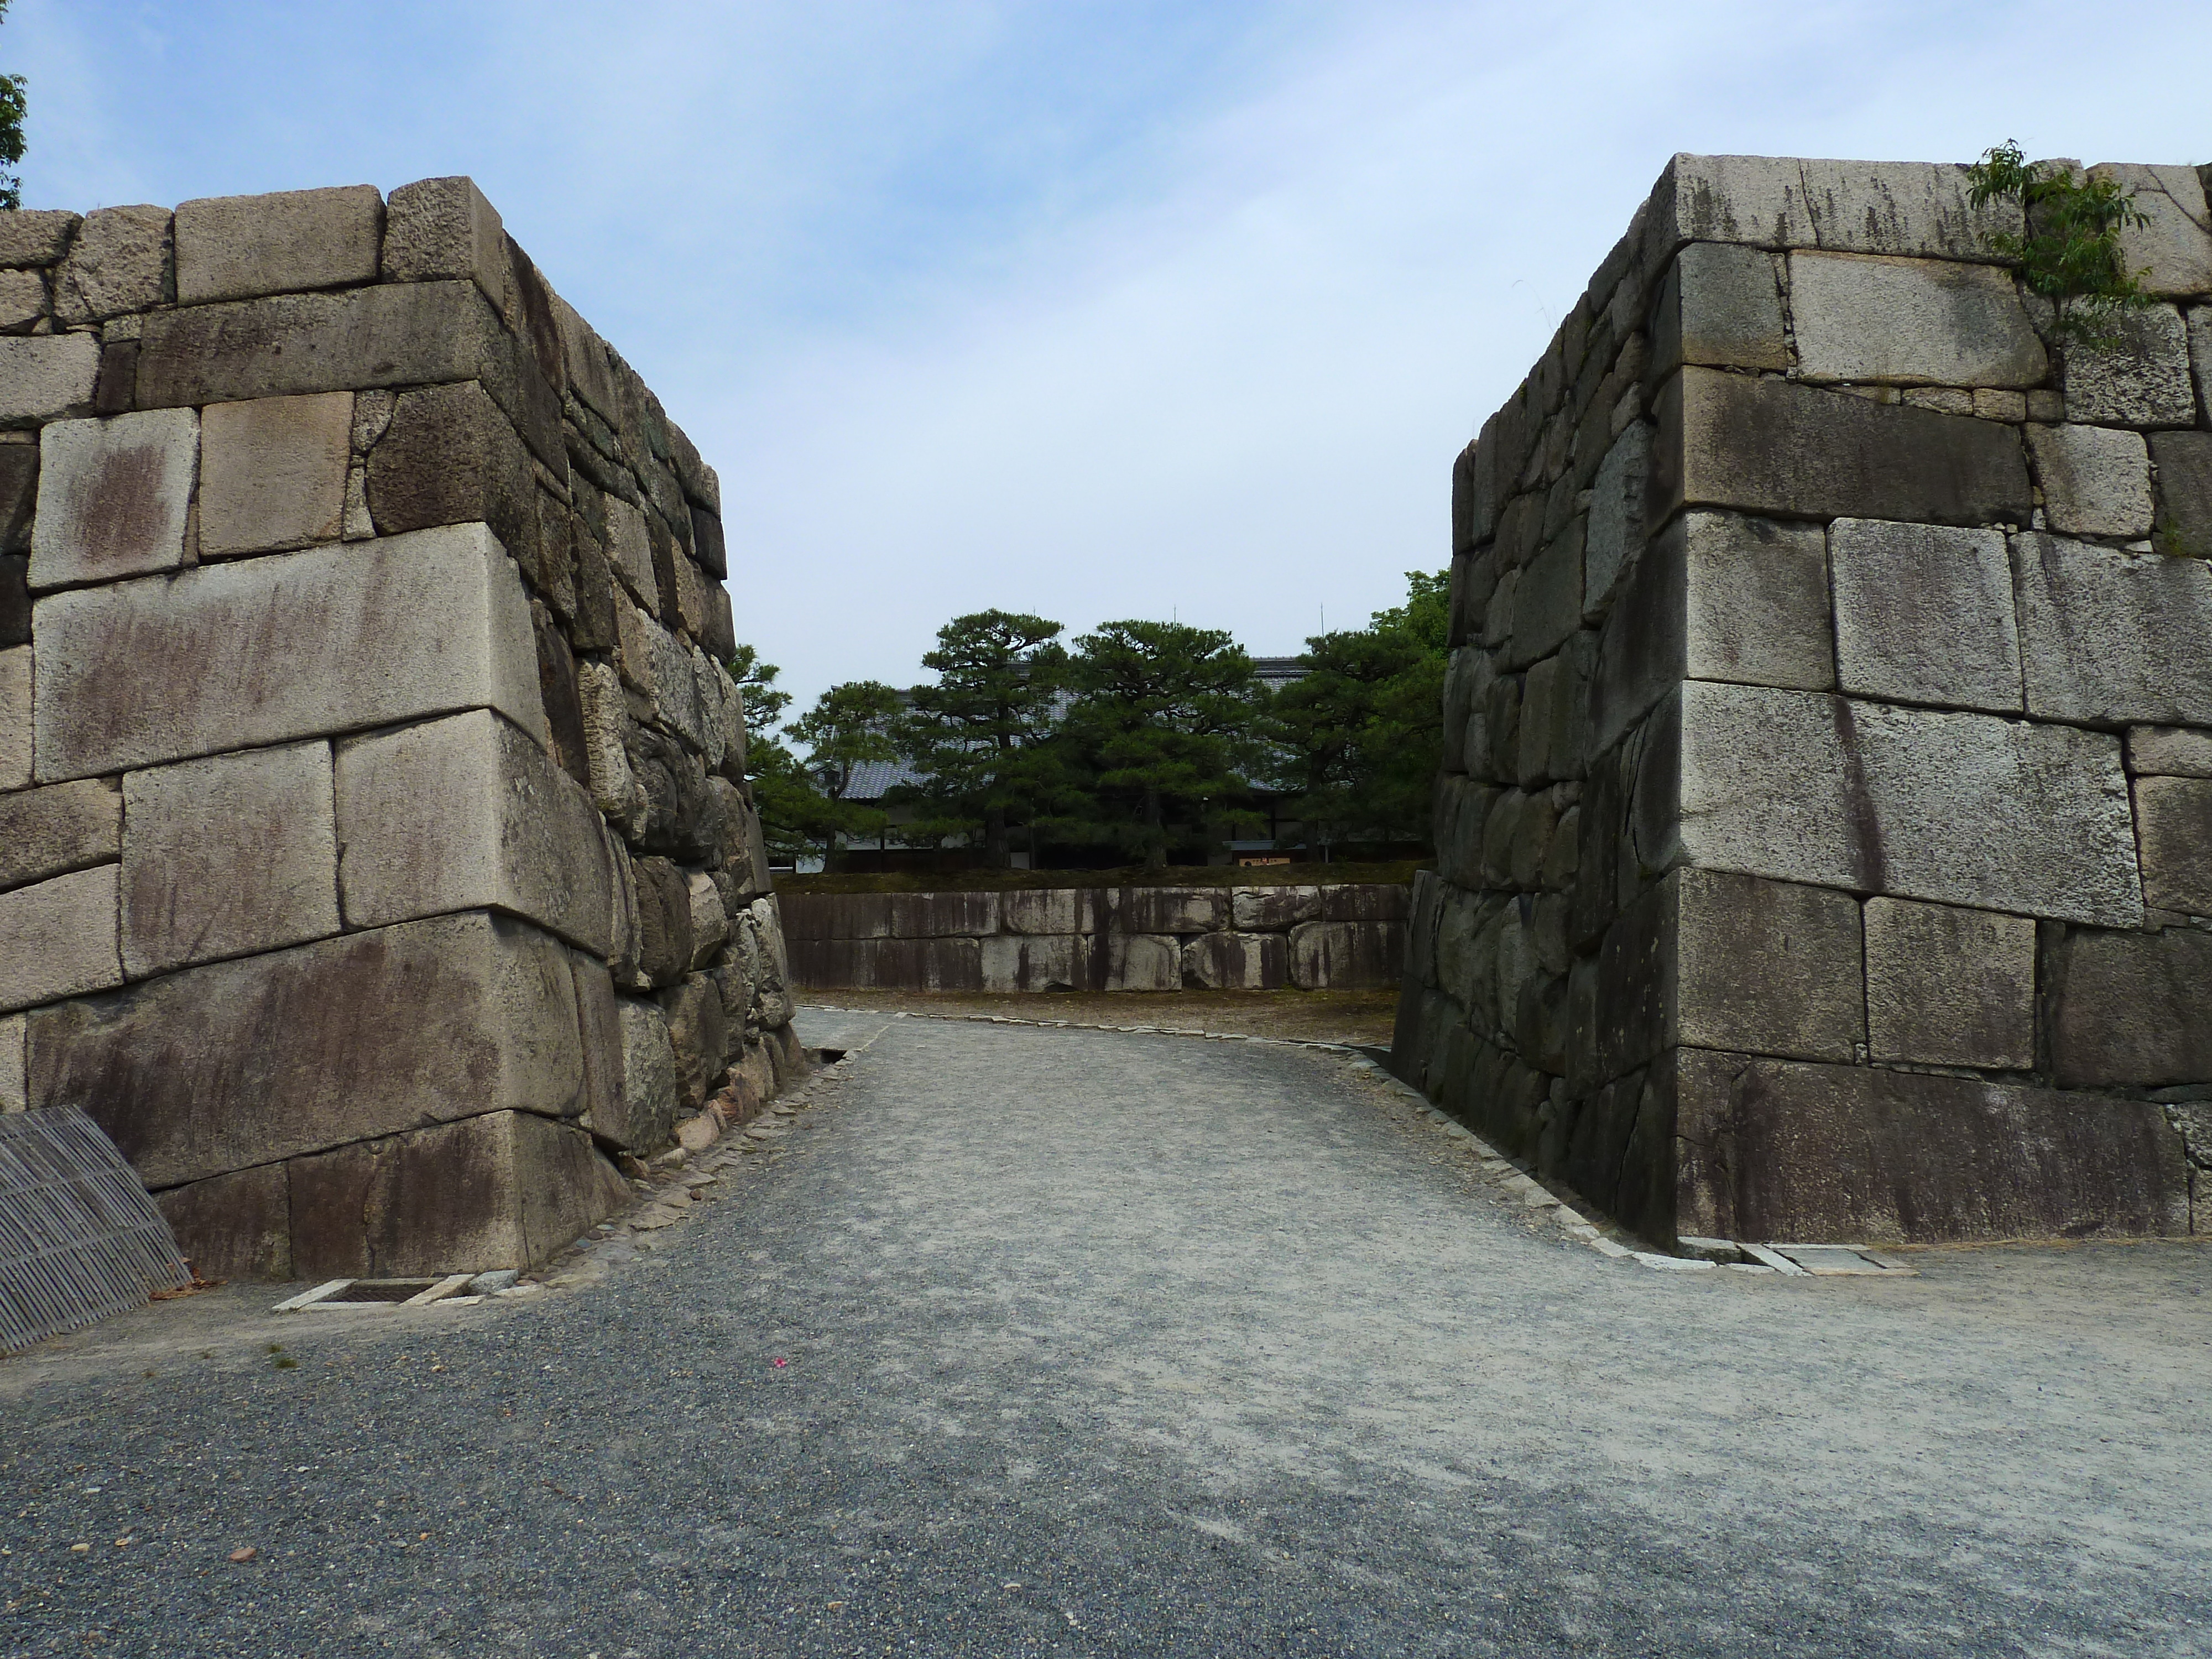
[
  {"x": 1825, "y": 829},
  {"x": 376, "y": 861},
  {"x": 1101, "y": 938}
]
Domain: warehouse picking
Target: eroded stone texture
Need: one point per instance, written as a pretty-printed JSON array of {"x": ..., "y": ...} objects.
[
  {"x": 1767, "y": 967},
  {"x": 118, "y": 263},
  {"x": 1924, "y": 614},
  {"x": 274, "y": 649},
  {"x": 217, "y": 1068},
  {"x": 15, "y": 1093},
  {"x": 1171, "y": 909},
  {"x": 1236, "y": 962},
  {"x": 1252, "y": 908},
  {"x": 1346, "y": 956},
  {"x": 2096, "y": 480},
  {"x": 940, "y": 915},
  {"x": 1720, "y": 305},
  {"x": 697, "y": 1035},
  {"x": 2173, "y": 751},
  {"x": 237, "y": 247},
  {"x": 1053, "y": 910},
  {"x": 1919, "y": 210},
  {"x": 234, "y": 1226},
  {"x": 449, "y": 457},
  {"x": 36, "y": 236},
  {"x": 2174, "y": 250},
  {"x": 16, "y": 680},
  {"x": 47, "y": 377},
  {"x": 2126, "y": 1008},
  {"x": 113, "y": 497},
  {"x": 2183, "y": 461},
  {"x": 2141, "y": 380},
  {"x": 1613, "y": 537},
  {"x": 1875, "y": 320},
  {"x": 273, "y": 472},
  {"x": 1040, "y": 961},
  {"x": 2173, "y": 827},
  {"x": 2113, "y": 637},
  {"x": 1949, "y": 987},
  {"x": 651, "y": 1092},
  {"x": 62, "y": 827},
  {"x": 228, "y": 855}
]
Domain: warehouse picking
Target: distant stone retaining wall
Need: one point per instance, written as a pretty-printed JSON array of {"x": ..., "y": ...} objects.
[
  {"x": 375, "y": 854},
  {"x": 1825, "y": 841},
  {"x": 1102, "y": 938}
]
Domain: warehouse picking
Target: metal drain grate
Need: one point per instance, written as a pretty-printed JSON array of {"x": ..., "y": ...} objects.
[
  {"x": 79, "y": 1237},
  {"x": 381, "y": 1289}
]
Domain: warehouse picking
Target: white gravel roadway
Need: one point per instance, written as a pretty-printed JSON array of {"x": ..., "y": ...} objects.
[{"x": 1037, "y": 1342}]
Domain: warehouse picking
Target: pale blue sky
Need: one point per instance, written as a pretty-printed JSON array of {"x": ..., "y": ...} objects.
[{"x": 1096, "y": 310}]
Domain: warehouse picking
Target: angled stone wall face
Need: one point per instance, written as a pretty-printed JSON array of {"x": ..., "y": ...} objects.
[
  {"x": 376, "y": 861},
  {"x": 1826, "y": 823}
]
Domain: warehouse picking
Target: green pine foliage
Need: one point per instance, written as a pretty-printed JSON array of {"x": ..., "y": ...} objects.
[
  {"x": 2070, "y": 250},
  {"x": 796, "y": 817}
]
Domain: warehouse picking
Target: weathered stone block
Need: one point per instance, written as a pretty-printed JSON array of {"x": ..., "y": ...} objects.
[
  {"x": 2174, "y": 249},
  {"x": 444, "y": 227},
  {"x": 36, "y": 236},
  {"x": 1766, "y": 967},
  {"x": 2096, "y": 480},
  {"x": 62, "y": 827},
  {"x": 1554, "y": 715},
  {"x": 1547, "y": 605},
  {"x": 1782, "y": 1151},
  {"x": 61, "y": 939},
  {"x": 2127, "y": 1008},
  {"x": 2173, "y": 830},
  {"x": 1171, "y": 909},
  {"x": 630, "y": 549},
  {"x": 651, "y": 1094},
  {"x": 1919, "y": 210},
  {"x": 1043, "y": 962},
  {"x": 615, "y": 788},
  {"x": 2171, "y": 751},
  {"x": 1946, "y": 987},
  {"x": 1720, "y": 305},
  {"x": 1924, "y": 614},
  {"x": 19, "y": 498},
  {"x": 698, "y": 1034},
  {"x": 236, "y": 248},
  {"x": 2183, "y": 462},
  {"x": 1877, "y": 320},
  {"x": 1273, "y": 909},
  {"x": 14, "y": 596},
  {"x": 272, "y": 649},
  {"x": 15, "y": 1088},
  {"x": 113, "y": 497},
  {"x": 117, "y": 263},
  {"x": 1346, "y": 956},
  {"x": 710, "y": 922},
  {"x": 1774, "y": 447},
  {"x": 2113, "y": 637},
  {"x": 1613, "y": 536},
  {"x": 1959, "y": 808},
  {"x": 228, "y": 855},
  {"x": 2141, "y": 378},
  {"x": 15, "y": 678},
  {"x": 266, "y": 1057},
  {"x": 450, "y": 457},
  {"x": 47, "y": 377},
  {"x": 464, "y": 813},
  {"x": 940, "y": 915},
  {"x": 1146, "y": 962},
  {"x": 1236, "y": 962},
  {"x": 505, "y": 1189},
  {"x": 1757, "y": 199},
  {"x": 273, "y": 472},
  {"x": 22, "y": 300},
  {"x": 234, "y": 1226}
]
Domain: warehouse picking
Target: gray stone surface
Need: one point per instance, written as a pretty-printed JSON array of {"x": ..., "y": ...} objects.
[
  {"x": 114, "y": 497},
  {"x": 450, "y": 457},
  {"x": 2173, "y": 831},
  {"x": 47, "y": 377},
  {"x": 444, "y": 227},
  {"x": 2142, "y": 379},
  {"x": 467, "y": 813},
  {"x": 630, "y": 551},
  {"x": 1146, "y": 962},
  {"x": 1959, "y": 808},
  {"x": 2096, "y": 480},
  {"x": 1756, "y": 199},
  {"x": 615, "y": 788},
  {"x": 2113, "y": 637},
  {"x": 1547, "y": 604},
  {"x": 699, "y": 1035},
  {"x": 238, "y": 247},
  {"x": 1613, "y": 537},
  {"x": 62, "y": 827},
  {"x": 2183, "y": 463},
  {"x": 1252, "y": 908},
  {"x": 647, "y": 1114},
  {"x": 14, "y": 1095},
  {"x": 61, "y": 939},
  {"x": 272, "y": 649},
  {"x": 1171, "y": 909},
  {"x": 1916, "y": 209},
  {"x": 1924, "y": 614},
  {"x": 1948, "y": 986},
  {"x": 2127, "y": 1008},
  {"x": 1878, "y": 320},
  {"x": 1038, "y": 961},
  {"x": 710, "y": 922},
  {"x": 2174, "y": 751},
  {"x": 118, "y": 263},
  {"x": 36, "y": 236},
  {"x": 2175, "y": 248},
  {"x": 1765, "y": 967},
  {"x": 228, "y": 855},
  {"x": 1720, "y": 305},
  {"x": 217, "y": 1068},
  {"x": 1236, "y": 962},
  {"x": 22, "y": 298},
  {"x": 1346, "y": 956},
  {"x": 16, "y": 680},
  {"x": 273, "y": 472}
]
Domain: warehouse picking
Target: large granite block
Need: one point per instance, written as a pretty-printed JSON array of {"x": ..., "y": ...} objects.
[
  {"x": 940, "y": 915},
  {"x": 698, "y": 1035},
  {"x": 2127, "y": 1009},
  {"x": 1273, "y": 909},
  {"x": 15, "y": 682},
  {"x": 1924, "y": 614},
  {"x": 15, "y": 1092},
  {"x": 1042, "y": 962},
  {"x": 236, "y": 248},
  {"x": 113, "y": 497},
  {"x": 1052, "y": 910},
  {"x": 1720, "y": 305},
  {"x": 465, "y": 813},
  {"x": 1346, "y": 956},
  {"x": 1946, "y": 987},
  {"x": 643, "y": 1117},
  {"x": 1171, "y": 909},
  {"x": 234, "y": 1226},
  {"x": 2113, "y": 637},
  {"x": 1613, "y": 536},
  {"x": 1778, "y": 1151},
  {"x": 2096, "y": 479},
  {"x": 47, "y": 377},
  {"x": 273, "y": 649},
  {"x": 2173, "y": 829},
  {"x": 504, "y": 1189},
  {"x": 450, "y": 457},
  {"x": 1766, "y": 967},
  {"x": 1365, "y": 902},
  {"x": 118, "y": 263},
  {"x": 2183, "y": 462},
  {"x": 2169, "y": 752},
  {"x": 2140, "y": 377},
  {"x": 1877, "y": 320},
  {"x": 444, "y": 227},
  {"x": 1145, "y": 961},
  {"x": 61, "y": 939},
  {"x": 1755, "y": 199},
  {"x": 1791, "y": 451},
  {"x": 240, "y": 1062},
  {"x": 1236, "y": 962},
  {"x": 273, "y": 472},
  {"x": 1959, "y": 808},
  {"x": 36, "y": 236},
  {"x": 1919, "y": 210},
  {"x": 62, "y": 827}
]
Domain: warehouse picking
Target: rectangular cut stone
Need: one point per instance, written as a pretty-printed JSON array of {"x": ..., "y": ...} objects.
[
  {"x": 444, "y": 227},
  {"x": 1171, "y": 909},
  {"x": 1924, "y": 614},
  {"x": 228, "y": 855},
  {"x": 16, "y": 680},
  {"x": 1878, "y": 320},
  {"x": 113, "y": 497},
  {"x": 62, "y": 827},
  {"x": 2174, "y": 250},
  {"x": 118, "y": 263},
  {"x": 22, "y": 298},
  {"x": 1782, "y": 1152},
  {"x": 2141, "y": 377},
  {"x": 1043, "y": 962},
  {"x": 1273, "y": 909},
  {"x": 2113, "y": 637},
  {"x": 1236, "y": 962},
  {"x": 836, "y": 915},
  {"x": 277, "y": 649},
  {"x": 1757, "y": 199},
  {"x": 2171, "y": 751},
  {"x": 505, "y": 1189},
  {"x": 1367, "y": 902},
  {"x": 234, "y": 1226},
  {"x": 1144, "y": 961},
  {"x": 464, "y": 813},
  {"x": 2127, "y": 1009},
  {"x": 1776, "y": 447},
  {"x": 451, "y": 456},
  {"x": 1963, "y": 809},
  {"x": 236, "y": 248},
  {"x": 273, "y": 472},
  {"x": 2183, "y": 463},
  {"x": 1948, "y": 986},
  {"x": 1547, "y": 606},
  {"x": 36, "y": 236},
  {"x": 1768, "y": 967},
  {"x": 908, "y": 964},
  {"x": 1720, "y": 305},
  {"x": 2173, "y": 829},
  {"x": 939, "y": 916},
  {"x": 14, "y": 1095},
  {"x": 266, "y": 1057},
  {"x": 1612, "y": 539},
  {"x": 60, "y": 939},
  {"x": 2096, "y": 480},
  {"x": 1050, "y": 910},
  {"x": 1347, "y": 956},
  {"x": 47, "y": 377},
  {"x": 1917, "y": 209},
  {"x": 640, "y": 1117}
]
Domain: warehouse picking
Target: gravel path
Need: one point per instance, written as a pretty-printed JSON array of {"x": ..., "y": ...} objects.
[{"x": 1071, "y": 1342}]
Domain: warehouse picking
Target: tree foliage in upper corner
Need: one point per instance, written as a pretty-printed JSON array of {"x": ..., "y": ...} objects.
[
  {"x": 2069, "y": 251},
  {"x": 1362, "y": 733},
  {"x": 13, "y": 107}
]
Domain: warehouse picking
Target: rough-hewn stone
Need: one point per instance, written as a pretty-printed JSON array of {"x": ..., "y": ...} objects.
[
  {"x": 1948, "y": 986},
  {"x": 62, "y": 827},
  {"x": 1273, "y": 909},
  {"x": 238, "y": 247},
  {"x": 1919, "y": 210},
  {"x": 61, "y": 939},
  {"x": 234, "y": 1226},
  {"x": 118, "y": 263},
  {"x": 36, "y": 236},
  {"x": 15, "y": 1093},
  {"x": 1756, "y": 199},
  {"x": 22, "y": 300},
  {"x": 2141, "y": 378},
  {"x": 16, "y": 680},
  {"x": 2183, "y": 462},
  {"x": 2126, "y": 1008},
  {"x": 2173, "y": 829},
  {"x": 1146, "y": 962},
  {"x": 1050, "y": 910},
  {"x": 2174, "y": 250},
  {"x": 1346, "y": 956},
  {"x": 2173, "y": 751},
  {"x": 449, "y": 457},
  {"x": 1171, "y": 909},
  {"x": 114, "y": 497},
  {"x": 2096, "y": 480},
  {"x": 273, "y": 649},
  {"x": 444, "y": 227},
  {"x": 1236, "y": 962},
  {"x": 1720, "y": 305},
  {"x": 1874, "y": 320},
  {"x": 1766, "y": 967},
  {"x": 1924, "y": 614},
  {"x": 651, "y": 1093},
  {"x": 698, "y": 1035},
  {"x": 47, "y": 377},
  {"x": 1613, "y": 536},
  {"x": 2113, "y": 637},
  {"x": 273, "y": 472}
]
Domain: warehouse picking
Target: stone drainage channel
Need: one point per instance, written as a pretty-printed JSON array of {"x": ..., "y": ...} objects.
[{"x": 671, "y": 1184}]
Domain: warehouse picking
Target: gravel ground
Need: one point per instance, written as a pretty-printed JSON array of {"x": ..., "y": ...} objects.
[
  {"x": 1070, "y": 1342},
  {"x": 1354, "y": 1017}
]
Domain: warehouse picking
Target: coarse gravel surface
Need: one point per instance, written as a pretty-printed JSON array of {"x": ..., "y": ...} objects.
[{"x": 1045, "y": 1341}]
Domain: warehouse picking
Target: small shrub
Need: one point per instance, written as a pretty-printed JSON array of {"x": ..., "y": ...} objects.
[{"x": 2070, "y": 252}]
